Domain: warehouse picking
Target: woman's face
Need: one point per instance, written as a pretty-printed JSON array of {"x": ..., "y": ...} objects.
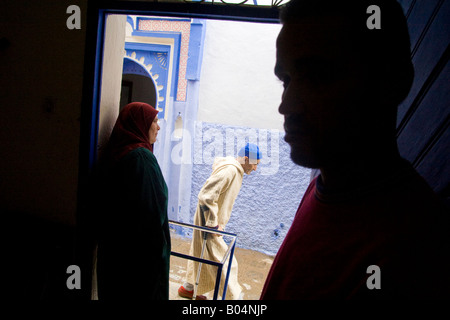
[{"x": 153, "y": 131}]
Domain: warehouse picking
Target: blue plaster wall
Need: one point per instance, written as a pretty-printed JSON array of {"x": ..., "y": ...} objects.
[{"x": 269, "y": 197}]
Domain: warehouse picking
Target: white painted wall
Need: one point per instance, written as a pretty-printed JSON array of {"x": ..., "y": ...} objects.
[{"x": 237, "y": 84}]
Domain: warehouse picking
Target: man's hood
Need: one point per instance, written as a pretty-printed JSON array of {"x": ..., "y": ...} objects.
[{"x": 221, "y": 162}]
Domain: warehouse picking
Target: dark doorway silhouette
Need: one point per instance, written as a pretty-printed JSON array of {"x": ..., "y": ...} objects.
[{"x": 137, "y": 86}]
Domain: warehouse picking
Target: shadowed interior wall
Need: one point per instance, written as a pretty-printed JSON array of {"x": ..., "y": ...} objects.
[
  {"x": 423, "y": 124},
  {"x": 41, "y": 78},
  {"x": 41, "y": 81}
]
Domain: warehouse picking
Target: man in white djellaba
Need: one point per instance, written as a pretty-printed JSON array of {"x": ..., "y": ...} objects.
[{"x": 215, "y": 203}]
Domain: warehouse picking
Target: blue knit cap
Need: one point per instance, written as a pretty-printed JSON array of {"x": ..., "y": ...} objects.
[{"x": 251, "y": 151}]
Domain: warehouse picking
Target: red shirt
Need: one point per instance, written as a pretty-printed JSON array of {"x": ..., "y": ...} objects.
[{"x": 393, "y": 224}]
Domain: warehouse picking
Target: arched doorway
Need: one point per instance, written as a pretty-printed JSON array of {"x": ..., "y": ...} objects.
[{"x": 137, "y": 84}]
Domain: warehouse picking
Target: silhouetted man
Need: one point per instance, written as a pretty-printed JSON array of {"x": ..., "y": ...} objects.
[{"x": 368, "y": 226}]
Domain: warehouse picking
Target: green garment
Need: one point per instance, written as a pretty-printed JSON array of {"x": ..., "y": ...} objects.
[{"x": 134, "y": 242}]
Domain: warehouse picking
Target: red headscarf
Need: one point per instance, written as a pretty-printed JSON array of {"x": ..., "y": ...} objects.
[{"x": 130, "y": 131}]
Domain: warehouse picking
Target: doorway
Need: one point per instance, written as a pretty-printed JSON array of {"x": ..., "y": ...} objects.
[
  {"x": 137, "y": 84},
  {"x": 217, "y": 80},
  {"x": 213, "y": 110}
]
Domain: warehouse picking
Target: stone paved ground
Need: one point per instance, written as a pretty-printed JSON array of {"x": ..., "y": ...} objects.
[{"x": 253, "y": 269}]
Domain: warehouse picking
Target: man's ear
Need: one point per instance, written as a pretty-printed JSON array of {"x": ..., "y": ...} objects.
[{"x": 243, "y": 160}]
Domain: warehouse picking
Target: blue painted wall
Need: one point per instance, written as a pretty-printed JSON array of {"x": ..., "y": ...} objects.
[{"x": 269, "y": 197}]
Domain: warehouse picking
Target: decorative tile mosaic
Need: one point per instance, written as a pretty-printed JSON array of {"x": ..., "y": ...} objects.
[{"x": 184, "y": 27}]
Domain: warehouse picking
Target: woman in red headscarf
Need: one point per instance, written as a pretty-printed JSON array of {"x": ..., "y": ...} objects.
[{"x": 133, "y": 242}]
